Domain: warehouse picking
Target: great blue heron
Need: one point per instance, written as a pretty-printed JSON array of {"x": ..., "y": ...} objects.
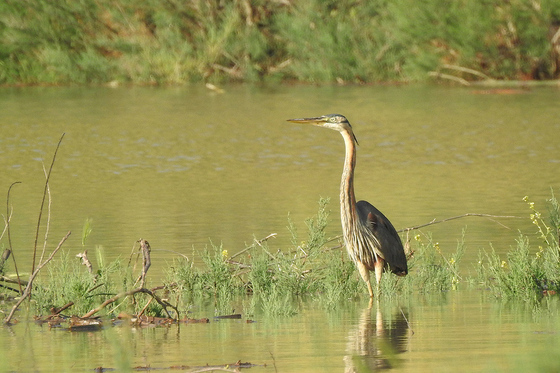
[{"x": 371, "y": 240}]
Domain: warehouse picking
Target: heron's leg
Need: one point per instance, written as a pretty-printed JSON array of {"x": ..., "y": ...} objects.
[
  {"x": 378, "y": 271},
  {"x": 364, "y": 272}
]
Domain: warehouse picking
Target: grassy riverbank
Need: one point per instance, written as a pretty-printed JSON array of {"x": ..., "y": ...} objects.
[{"x": 174, "y": 42}]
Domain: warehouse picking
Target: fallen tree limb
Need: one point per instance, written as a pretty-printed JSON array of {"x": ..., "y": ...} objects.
[
  {"x": 57, "y": 310},
  {"x": 234, "y": 367},
  {"x": 163, "y": 303},
  {"x": 12, "y": 281}
]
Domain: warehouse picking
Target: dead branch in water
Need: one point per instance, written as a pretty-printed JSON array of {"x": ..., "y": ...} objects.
[
  {"x": 146, "y": 261},
  {"x": 85, "y": 261},
  {"x": 58, "y": 310},
  {"x": 35, "y": 273},
  {"x": 233, "y": 367},
  {"x": 9, "y": 251},
  {"x": 162, "y": 302}
]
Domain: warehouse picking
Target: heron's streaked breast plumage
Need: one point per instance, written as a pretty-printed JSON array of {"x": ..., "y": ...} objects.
[{"x": 360, "y": 242}]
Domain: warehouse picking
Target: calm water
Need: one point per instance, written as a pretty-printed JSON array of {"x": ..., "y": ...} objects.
[
  {"x": 183, "y": 167},
  {"x": 456, "y": 332}
]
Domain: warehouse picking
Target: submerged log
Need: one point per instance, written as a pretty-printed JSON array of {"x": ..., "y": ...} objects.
[
  {"x": 233, "y": 316},
  {"x": 234, "y": 367},
  {"x": 78, "y": 324},
  {"x": 57, "y": 310},
  {"x": 145, "y": 321}
]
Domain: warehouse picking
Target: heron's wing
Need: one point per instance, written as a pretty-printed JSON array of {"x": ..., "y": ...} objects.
[{"x": 389, "y": 241}]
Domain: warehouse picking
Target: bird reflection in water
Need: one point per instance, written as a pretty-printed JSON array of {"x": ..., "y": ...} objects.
[{"x": 375, "y": 343}]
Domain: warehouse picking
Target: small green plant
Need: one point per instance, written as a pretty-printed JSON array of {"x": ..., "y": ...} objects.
[
  {"x": 339, "y": 280},
  {"x": 218, "y": 277},
  {"x": 523, "y": 274},
  {"x": 431, "y": 270},
  {"x": 86, "y": 231},
  {"x": 69, "y": 281}
]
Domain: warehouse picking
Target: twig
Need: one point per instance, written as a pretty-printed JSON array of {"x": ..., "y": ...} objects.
[
  {"x": 437, "y": 74},
  {"x": 11, "y": 251},
  {"x": 43, "y": 203},
  {"x": 85, "y": 261},
  {"x": 132, "y": 252},
  {"x": 462, "y": 81},
  {"x": 405, "y": 319},
  {"x": 10, "y": 281},
  {"x": 146, "y": 261},
  {"x": 95, "y": 287},
  {"x": 459, "y": 217},
  {"x": 265, "y": 250},
  {"x": 48, "y": 218},
  {"x": 172, "y": 251},
  {"x": 273, "y": 361},
  {"x": 257, "y": 242},
  {"x": 56, "y": 311},
  {"x": 35, "y": 273},
  {"x": 9, "y": 288},
  {"x": 467, "y": 70},
  {"x": 145, "y": 307}
]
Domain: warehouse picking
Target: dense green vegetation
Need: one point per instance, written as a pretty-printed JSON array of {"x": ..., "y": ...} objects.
[
  {"x": 260, "y": 279},
  {"x": 175, "y": 41}
]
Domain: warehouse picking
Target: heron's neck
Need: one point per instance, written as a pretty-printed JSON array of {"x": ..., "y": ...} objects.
[{"x": 347, "y": 197}]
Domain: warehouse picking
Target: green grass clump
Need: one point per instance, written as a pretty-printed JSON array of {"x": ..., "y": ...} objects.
[
  {"x": 309, "y": 268},
  {"x": 67, "y": 280},
  {"x": 525, "y": 273},
  {"x": 430, "y": 268}
]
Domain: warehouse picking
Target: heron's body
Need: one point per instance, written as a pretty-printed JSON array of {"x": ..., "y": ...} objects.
[{"x": 371, "y": 240}]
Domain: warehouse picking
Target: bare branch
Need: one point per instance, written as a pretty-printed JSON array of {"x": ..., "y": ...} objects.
[
  {"x": 85, "y": 261},
  {"x": 48, "y": 217},
  {"x": 146, "y": 261},
  {"x": 437, "y": 74},
  {"x": 11, "y": 251},
  {"x": 163, "y": 303},
  {"x": 257, "y": 243},
  {"x": 488, "y": 216},
  {"x": 43, "y": 203}
]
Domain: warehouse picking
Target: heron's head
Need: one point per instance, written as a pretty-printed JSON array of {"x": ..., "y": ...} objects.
[{"x": 336, "y": 122}]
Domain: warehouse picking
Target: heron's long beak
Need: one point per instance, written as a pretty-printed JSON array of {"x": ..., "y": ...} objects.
[{"x": 316, "y": 121}]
